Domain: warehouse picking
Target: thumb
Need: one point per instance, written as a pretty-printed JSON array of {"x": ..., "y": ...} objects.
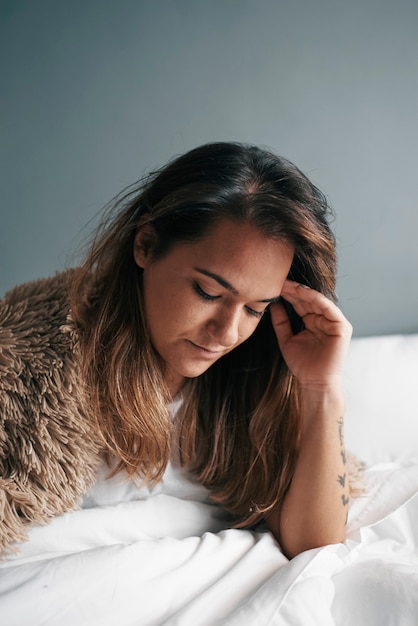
[{"x": 281, "y": 323}]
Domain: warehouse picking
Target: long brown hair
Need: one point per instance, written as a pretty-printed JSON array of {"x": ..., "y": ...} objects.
[{"x": 239, "y": 427}]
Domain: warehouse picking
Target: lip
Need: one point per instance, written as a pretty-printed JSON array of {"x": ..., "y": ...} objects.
[{"x": 206, "y": 352}]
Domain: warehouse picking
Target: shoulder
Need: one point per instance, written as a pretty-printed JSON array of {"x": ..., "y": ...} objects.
[
  {"x": 35, "y": 323},
  {"x": 48, "y": 448},
  {"x": 38, "y": 352},
  {"x": 38, "y": 349},
  {"x": 38, "y": 296}
]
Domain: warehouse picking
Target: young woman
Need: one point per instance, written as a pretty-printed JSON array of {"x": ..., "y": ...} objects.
[{"x": 213, "y": 281}]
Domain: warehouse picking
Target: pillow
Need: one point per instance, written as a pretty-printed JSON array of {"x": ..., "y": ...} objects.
[{"x": 381, "y": 385}]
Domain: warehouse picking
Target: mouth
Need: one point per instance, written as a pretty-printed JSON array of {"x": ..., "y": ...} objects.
[{"x": 207, "y": 352}]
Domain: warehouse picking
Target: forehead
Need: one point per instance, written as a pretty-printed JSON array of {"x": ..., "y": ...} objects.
[{"x": 240, "y": 253}]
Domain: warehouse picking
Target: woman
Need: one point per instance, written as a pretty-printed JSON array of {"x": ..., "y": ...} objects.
[{"x": 213, "y": 279}]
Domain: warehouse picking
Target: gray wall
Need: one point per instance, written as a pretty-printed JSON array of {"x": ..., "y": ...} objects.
[{"x": 97, "y": 92}]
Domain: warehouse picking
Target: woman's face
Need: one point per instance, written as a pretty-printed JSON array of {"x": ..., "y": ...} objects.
[{"x": 205, "y": 298}]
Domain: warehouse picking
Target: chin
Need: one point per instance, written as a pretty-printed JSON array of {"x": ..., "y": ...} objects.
[{"x": 193, "y": 371}]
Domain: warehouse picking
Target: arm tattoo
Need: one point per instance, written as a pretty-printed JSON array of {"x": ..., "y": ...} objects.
[
  {"x": 342, "y": 478},
  {"x": 340, "y": 423}
]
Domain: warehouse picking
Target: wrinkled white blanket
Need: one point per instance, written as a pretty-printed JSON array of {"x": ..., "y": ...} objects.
[{"x": 170, "y": 560}]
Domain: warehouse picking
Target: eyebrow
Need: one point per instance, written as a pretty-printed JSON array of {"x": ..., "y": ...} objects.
[{"x": 227, "y": 285}]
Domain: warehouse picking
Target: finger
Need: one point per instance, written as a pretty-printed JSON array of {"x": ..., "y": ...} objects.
[
  {"x": 306, "y": 301},
  {"x": 281, "y": 322},
  {"x": 321, "y": 324}
]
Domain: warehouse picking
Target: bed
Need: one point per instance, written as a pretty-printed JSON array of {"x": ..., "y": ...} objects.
[{"x": 172, "y": 560}]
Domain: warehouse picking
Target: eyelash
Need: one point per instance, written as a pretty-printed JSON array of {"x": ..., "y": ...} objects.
[{"x": 205, "y": 296}]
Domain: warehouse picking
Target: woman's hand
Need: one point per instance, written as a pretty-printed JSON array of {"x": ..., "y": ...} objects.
[
  {"x": 314, "y": 510},
  {"x": 316, "y": 355}
]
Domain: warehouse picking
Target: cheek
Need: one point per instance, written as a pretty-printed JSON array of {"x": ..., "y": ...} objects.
[
  {"x": 190, "y": 314},
  {"x": 169, "y": 311},
  {"x": 159, "y": 294},
  {"x": 247, "y": 329}
]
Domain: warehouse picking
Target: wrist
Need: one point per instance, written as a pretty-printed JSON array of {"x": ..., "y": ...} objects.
[
  {"x": 330, "y": 388},
  {"x": 322, "y": 401}
]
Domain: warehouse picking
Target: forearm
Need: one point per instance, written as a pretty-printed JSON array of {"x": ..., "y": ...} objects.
[{"x": 314, "y": 511}]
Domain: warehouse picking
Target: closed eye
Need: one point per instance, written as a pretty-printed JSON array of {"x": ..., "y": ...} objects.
[
  {"x": 258, "y": 314},
  {"x": 202, "y": 294},
  {"x": 206, "y": 296}
]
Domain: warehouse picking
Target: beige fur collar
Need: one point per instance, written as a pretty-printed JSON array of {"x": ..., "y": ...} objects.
[{"x": 48, "y": 450}]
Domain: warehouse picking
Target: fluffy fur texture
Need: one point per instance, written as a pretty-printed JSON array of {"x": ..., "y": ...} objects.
[{"x": 49, "y": 450}]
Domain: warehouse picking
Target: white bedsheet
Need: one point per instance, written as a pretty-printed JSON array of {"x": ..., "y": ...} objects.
[{"x": 166, "y": 560}]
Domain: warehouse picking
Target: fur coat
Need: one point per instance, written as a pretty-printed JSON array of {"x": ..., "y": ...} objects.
[
  {"x": 49, "y": 453},
  {"x": 49, "y": 449}
]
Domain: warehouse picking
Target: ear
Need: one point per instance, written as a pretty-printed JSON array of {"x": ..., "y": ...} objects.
[{"x": 144, "y": 243}]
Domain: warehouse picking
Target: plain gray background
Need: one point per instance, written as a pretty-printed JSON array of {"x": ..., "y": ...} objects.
[{"x": 96, "y": 93}]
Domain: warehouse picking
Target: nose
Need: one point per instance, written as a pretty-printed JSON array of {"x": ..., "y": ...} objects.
[{"x": 224, "y": 327}]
